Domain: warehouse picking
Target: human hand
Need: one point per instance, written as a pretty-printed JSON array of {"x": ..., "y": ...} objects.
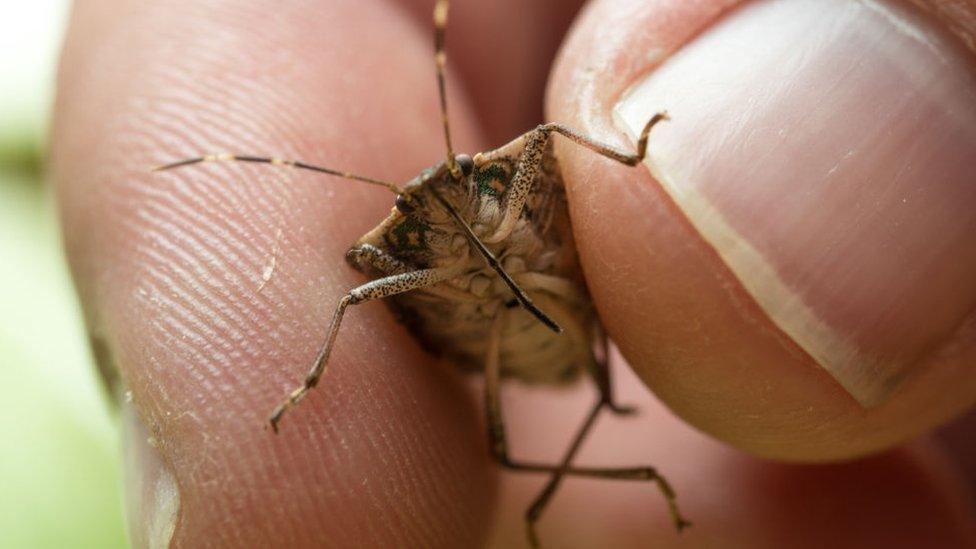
[{"x": 390, "y": 451}]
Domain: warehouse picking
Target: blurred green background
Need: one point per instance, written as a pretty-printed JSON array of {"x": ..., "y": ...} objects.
[{"x": 60, "y": 460}]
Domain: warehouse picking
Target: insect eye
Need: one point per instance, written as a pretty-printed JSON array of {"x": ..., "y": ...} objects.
[
  {"x": 403, "y": 204},
  {"x": 465, "y": 163}
]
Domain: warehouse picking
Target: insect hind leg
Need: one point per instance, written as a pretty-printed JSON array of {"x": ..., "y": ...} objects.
[
  {"x": 534, "y": 511},
  {"x": 599, "y": 369},
  {"x": 497, "y": 442}
]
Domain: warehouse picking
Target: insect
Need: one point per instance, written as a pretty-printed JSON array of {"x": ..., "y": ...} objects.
[{"x": 477, "y": 259}]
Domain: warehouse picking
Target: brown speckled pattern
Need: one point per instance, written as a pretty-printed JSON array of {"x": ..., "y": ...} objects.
[{"x": 449, "y": 318}]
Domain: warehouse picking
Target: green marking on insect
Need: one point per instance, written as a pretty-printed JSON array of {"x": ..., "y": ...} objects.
[
  {"x": 411, "y": 233},
  {"x": 501, "y": 209},
  {"x": 492, "y": 180}
]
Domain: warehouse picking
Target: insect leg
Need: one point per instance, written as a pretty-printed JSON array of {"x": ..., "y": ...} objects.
[
  {"x": 526, "y": 170},
  {"x": 367, "y": 254},
  {"x": 498, "y": 444},
  {"x": 496, "y": 429},
  {"x": 535, "y": 510},
  {"x": 600, "y": 370},
  {"x": 530, "y": 162},
  {"x": 597, "y": 367},
  {"x": 648, "y": 474},
  {"x": 375, "y": 289},
  {"x": 497, "y": 440},
  {"x": 627, "y": 473},
  {"x": 645, "y": 474},
  {"x": 609, "y": 151},
  {"x": 385, "y": 264}
]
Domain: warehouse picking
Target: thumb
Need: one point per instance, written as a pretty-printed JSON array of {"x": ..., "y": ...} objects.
[{"x": 799, "y": 243}]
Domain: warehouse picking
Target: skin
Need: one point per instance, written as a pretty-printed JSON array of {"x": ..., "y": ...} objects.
[{"x": 392, "y": 451}]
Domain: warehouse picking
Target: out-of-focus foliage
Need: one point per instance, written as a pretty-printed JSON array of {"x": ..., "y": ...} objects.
[{"x": 59, "y": 456}]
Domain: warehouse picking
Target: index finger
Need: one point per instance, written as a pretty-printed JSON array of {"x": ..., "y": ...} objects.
[{"x": 387, "y": 450}]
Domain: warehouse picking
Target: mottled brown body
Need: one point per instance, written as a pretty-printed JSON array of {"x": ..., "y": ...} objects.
[
  {"x": 453, "y": 317},
  {"x": 478, "y": 261}
]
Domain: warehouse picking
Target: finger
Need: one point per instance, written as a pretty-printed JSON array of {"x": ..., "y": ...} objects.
[
  {"x": 803, "y": 254},
  {"x": 387, "y": 450},
  {"x": 909, "y": 497}
]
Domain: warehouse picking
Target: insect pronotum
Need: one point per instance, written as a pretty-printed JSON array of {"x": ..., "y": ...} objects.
[{"x": 477, "y": 259}]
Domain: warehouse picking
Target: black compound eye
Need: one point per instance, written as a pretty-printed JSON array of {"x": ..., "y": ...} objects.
[
  {"x": 403, "y": 204},
  {"x": 465, "y": 163}
]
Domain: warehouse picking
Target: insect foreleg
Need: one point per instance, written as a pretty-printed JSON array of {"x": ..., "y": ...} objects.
[
  {"x": 530, "y": 162},
  {"x": 526, "y": 170},
  {"x": 375, "y": 289},
  {"x": 609, "y": 151},
  {"x": 367, "y": 254}
]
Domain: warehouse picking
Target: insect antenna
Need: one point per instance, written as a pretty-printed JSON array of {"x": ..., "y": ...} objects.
[
  {"x": 440, "y": 59},
  {"x": 522, "y": 297},
  {"x": 277, "y": 162}
]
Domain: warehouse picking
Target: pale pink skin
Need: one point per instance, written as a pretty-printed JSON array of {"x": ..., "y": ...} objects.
[
  {"x": 392, "y": 451},
  {"x": 683, "y": 319}
]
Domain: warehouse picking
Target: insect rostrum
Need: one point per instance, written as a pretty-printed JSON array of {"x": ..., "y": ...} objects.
[{"x": 478, "y": 260}]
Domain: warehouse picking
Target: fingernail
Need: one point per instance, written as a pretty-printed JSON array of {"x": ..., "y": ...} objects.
[
  {"x": 826, "y": 150},
  {"x": 151, "y": 493}
]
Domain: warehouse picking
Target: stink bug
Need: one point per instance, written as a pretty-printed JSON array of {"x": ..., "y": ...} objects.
[{"x": 477, "y": 259}]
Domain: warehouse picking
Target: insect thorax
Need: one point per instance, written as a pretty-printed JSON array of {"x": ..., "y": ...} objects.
[{"x": 453, "y": 317}]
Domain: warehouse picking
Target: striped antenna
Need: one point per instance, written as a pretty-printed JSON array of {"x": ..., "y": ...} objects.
[{"x": 440, "y": 58}]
